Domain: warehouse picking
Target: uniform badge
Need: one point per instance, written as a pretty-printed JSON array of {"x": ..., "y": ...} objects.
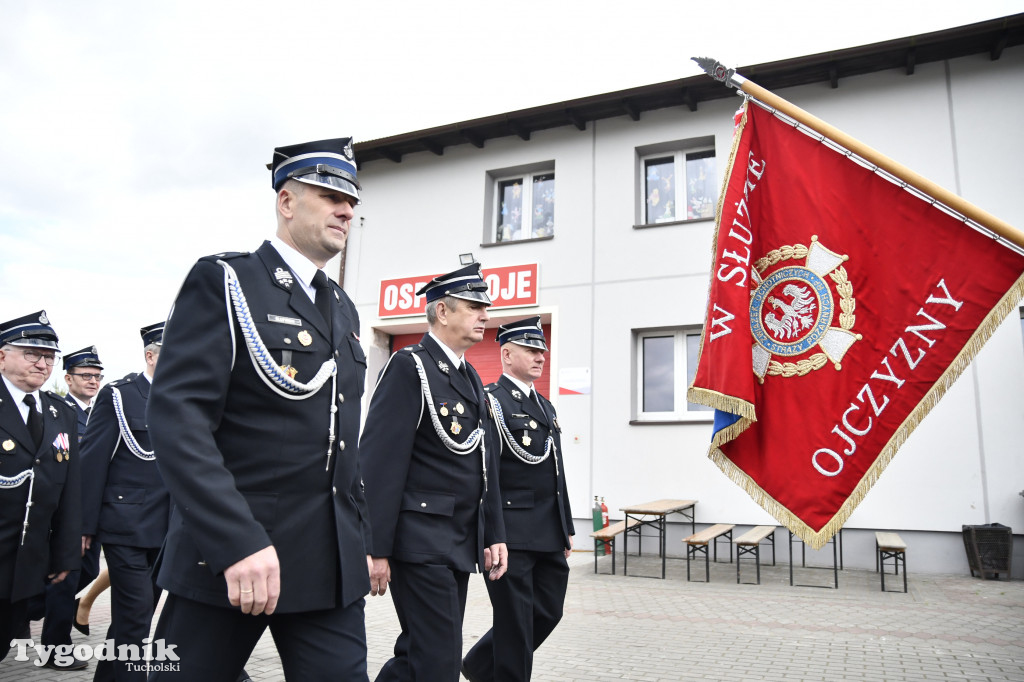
[
  {"x": 516, "y": 394},
  {"x": 59, "y": 455},
  {"x": 347, "y": 151},
  {"x": 8, "y": 445},
  {"x": 304, "y": 338},
  {"x": 526, "y": 439},
  {"x": 284, "y": 278},
  {"x": 443, "y": 366},
  {"x": 533, "y": 425},
  {"x": 53, "y": 411},
  {"x": 459, "y": 408},
  {"x": 456, "y": 427},
  {"x": 444, "y": 410},
  {"x": 43, "y": 319},
  {"x": 794, "y": 314},
  {"x": 290, "y": 371},
  {"x": 281, "y": 319}
]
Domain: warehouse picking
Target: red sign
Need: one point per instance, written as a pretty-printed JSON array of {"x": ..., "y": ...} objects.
[
  {"x": 841, "y": 308},
  {"x": 512, "y": 286}
]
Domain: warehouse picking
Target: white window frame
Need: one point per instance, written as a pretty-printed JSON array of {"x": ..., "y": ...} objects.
[
  {"x": 683, "y": 410},
  {"x": 679, "y": 178},
  {"x": 527, "y": 201}
]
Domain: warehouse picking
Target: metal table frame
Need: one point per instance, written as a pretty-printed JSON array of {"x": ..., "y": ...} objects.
[
  {"x": 654, "y": 514},
  {"x": 837, "y": 561}
]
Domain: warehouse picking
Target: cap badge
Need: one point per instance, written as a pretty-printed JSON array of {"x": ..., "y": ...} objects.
[
  {"x": 8, "y": 445},
  {"x": 43, "y": 319},
  {"x": 304, "y": 338},
  {"x": 347, "y": 151},
  {"x": 517, "y": 395},
  {"x": 456, "y": 427},
  {"x": 443, "y": 366},
  {"x": 93, "y": 350},
  {"x": 284, "y": 278}
]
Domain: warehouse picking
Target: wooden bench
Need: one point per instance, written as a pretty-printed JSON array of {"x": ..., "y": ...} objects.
[
  {"x": 750, "y": 543},
  {"x": 890, "y": 546},
  {"x": 698, "y": 543},
  {"x": 607, "y": 536}
]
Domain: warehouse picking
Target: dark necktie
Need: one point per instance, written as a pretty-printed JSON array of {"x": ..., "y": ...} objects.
[
  {"x": 34, "y": 421},
  {"x": 465, "y": 372},
  {"x": 88, "y": 411},
  {"x": 323, "y": 296}
]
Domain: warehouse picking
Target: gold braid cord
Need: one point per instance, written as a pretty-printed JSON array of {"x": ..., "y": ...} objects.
[{"x": 847, "y": 304}]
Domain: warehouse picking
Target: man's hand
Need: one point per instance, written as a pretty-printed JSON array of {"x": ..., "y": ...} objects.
[
  {"x": 254, "y": 583},
  {"x": 86, "y": 543},
  {"x": 568, "y": 552},
  {"x": 380, "y": 575},
  {"x": 57, "y": 577},
  {"x": 496, "y": 560}
]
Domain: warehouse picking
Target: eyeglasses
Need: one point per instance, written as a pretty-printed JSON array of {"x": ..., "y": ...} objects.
[
  {"x": 87, "y": 377},
  {"x": 35, "y": 356}
]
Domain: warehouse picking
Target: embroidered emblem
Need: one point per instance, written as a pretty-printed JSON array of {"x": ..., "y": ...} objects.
[
  {"x": 281, "y": 319},
  {"x": 284, "y": 278},
  {"x": 792, "y": 311},
  {"x": 304, "y": 338},
  {"x": 456, "y": 427},
  {"x": 8, "y": 445},
  {"x": 516, "y": 394},
  {"x": 444, "y": 410},
  {"x": 53, "y": 411},
  {"x": 526, "y": 439},
  {"x": 443, "y": 366},
  {"x": 43, "y": 319}
]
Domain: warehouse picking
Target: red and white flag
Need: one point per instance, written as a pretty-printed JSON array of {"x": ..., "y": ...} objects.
[{"x": 842, "y": 306}]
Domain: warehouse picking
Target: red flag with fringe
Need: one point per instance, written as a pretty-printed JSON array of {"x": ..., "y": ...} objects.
[{"x": 842, "y": 306}]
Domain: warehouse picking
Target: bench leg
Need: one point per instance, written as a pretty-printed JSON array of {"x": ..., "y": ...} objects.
[
  {"x": 757, "y": 561},
  {"x": 707, "y": 563}
]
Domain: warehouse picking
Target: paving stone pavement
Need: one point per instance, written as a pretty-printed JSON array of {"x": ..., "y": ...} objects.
[{"x": 948, "y": 627}]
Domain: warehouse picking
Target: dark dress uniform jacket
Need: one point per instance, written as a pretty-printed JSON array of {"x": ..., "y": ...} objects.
[
  {"x": 427, "y": 504},
  {"x": 247, "y": 467},
  {"x": 83, "y": 416},
  {"x": 54, "y": 539},
  {"x": 124, "y": 500},
  {"x": 534, "y": 497}
]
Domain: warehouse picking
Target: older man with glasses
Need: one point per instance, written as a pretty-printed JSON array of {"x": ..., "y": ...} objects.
[{"x": 40, "y": 527}]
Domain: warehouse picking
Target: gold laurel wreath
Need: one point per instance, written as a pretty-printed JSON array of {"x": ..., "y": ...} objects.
[{"x": 847, "y": 304}]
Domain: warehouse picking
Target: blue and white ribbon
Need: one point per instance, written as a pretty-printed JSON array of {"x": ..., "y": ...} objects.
[
  {"x": 126, "y": 432},
  {"x": 517, "y": 449}
]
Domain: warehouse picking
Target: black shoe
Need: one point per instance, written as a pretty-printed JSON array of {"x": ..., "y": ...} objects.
[
  {"x": 465, "y": 673},
  {"x": 84, "y": 629},
  {"x": 75, "y": 664},
  {"x": 243, "y": 677},
  {"x": 24, "y": 631}
]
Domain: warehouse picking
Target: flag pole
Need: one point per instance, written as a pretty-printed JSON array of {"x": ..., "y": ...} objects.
[{"x": 732, "y": 79}]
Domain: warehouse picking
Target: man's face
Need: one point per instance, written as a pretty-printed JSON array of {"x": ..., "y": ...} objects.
[
  {"x": 466, "y": 324},
  {"x": 317, "y": 220},
  {"x": 27, "y": 368},
  {"x": 525, "y": 364},
  {"x": 83, "y": 382}
]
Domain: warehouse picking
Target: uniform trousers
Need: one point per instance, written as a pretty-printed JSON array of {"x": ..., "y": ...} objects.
[
  {"x": 12, "y": 622},
  {"x": 57, "y": 603},
  {"x": 527, "y": 604},
  {"x": 133, "y": 598},
  {"x": 430, "y": 601},
  {"x": 213, "y": 643}
]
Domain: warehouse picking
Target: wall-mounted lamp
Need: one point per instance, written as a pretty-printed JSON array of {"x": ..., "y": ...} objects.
[{"x": 466, "y": 259}]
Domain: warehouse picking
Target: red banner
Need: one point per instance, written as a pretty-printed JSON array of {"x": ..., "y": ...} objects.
[
  {"x": 511, "y": 286},
  {"x": 842, "y": 306}
]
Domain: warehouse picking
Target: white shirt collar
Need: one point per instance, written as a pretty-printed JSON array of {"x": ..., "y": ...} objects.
[
  {"x": 81, "y": 404},
  {"x": 303, "y": 268},
  {"x": 456, "y": 360},
  {"x": 526, "y": 388},
  {"x": 144, "y": 374},
  {"x": 18, "y": 396}
]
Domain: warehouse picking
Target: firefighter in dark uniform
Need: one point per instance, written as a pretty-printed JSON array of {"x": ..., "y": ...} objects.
[
  {"x": 40, "y": 526},
  {"x": 83, "y": 378},
  {"x": 255, "y": 416},
  {"x": 527, "y": 604},
  {"x": 125, "y": 505},
  {"x": 431, "y": 481}
]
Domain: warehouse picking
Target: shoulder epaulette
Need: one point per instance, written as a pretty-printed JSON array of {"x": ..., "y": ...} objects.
[{"x": 227, "y": 255}]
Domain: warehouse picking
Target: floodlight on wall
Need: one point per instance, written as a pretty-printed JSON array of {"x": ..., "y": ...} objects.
[{"x": 466, "y": 259}]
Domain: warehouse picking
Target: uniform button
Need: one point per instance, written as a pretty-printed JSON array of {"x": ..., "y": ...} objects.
[
  {"x": 423, "y": 504},
  {"x": 37, "y": 461},
  {"x": 336, "y": 353},
  {"x": 334, "y": 490},
  {"x": 341, "y": 445},
  {"x": 287, "y": 340},
  {"x": 201, "y": 563},
  {"x": 509, "y": 502},
  {"x": 341, "y": 398},
  {"x": 120, "y": 497}
]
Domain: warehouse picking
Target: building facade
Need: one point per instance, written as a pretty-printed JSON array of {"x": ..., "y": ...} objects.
[{"x": 598, "y": 215}]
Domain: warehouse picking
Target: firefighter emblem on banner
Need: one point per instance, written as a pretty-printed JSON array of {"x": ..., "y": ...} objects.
[{"x": 794, "y": 317}]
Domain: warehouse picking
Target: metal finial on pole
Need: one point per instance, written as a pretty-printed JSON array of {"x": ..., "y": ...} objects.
[{"x": 719, "y": 72}]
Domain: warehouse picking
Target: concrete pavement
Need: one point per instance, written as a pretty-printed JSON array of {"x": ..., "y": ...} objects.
[{"x": 948, "y": 627}]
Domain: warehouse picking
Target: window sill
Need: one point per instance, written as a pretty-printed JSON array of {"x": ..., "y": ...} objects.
[
  {"x": 644, "y": 226},
  {"x": 518, "y": 241}
]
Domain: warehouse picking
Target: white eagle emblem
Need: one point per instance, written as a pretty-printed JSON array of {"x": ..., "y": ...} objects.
[{"x": 797, "y": 315}]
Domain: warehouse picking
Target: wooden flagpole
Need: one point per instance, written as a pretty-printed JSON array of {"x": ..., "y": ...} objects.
[{"x": 729, "y": 76}]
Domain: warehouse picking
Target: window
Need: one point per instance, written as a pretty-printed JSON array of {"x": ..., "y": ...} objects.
[
  {"x": 524, "y": 207},
  {"x": 666, "y": 366},
  {"x": 678, "y": 186}
]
